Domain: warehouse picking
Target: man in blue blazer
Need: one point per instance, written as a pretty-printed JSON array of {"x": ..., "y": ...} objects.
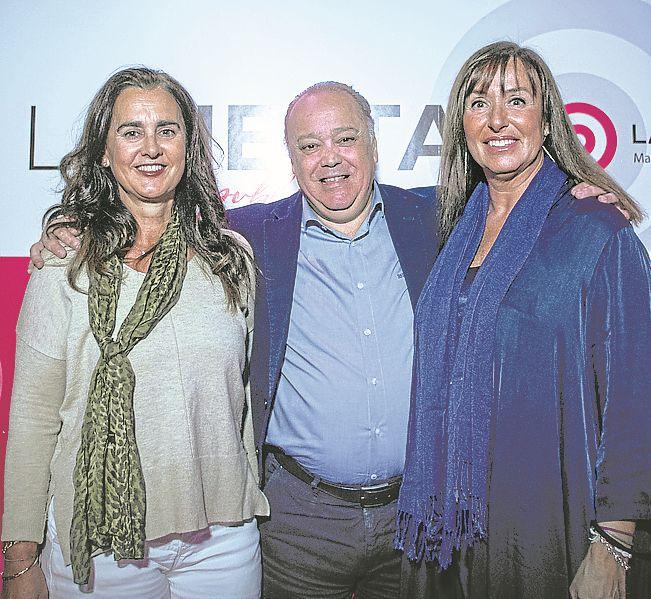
[{"x": 341, "y": 265}]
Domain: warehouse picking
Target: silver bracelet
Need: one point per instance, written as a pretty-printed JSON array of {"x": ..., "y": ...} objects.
[
  {"x": 20, "y": 572},
  {"x": 619, "y": 555}
]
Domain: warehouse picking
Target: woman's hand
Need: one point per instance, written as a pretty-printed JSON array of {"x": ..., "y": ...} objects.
[
  {"x": 30, "y": 585},
  {"x": 599, "y": 576}
]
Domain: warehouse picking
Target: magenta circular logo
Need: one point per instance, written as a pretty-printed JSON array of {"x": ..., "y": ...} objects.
[{"x": 588, "y": 135}]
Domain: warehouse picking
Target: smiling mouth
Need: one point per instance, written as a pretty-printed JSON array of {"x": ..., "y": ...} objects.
[
  {"x": 335, "y": 179},
  {"x": 150, "y": 168},
  {"x": 500, "y": 143}
]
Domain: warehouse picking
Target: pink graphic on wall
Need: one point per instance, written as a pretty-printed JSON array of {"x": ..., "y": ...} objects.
[
  {"x": 588, "y": 135},
  {"x": 13, "y": 279}
]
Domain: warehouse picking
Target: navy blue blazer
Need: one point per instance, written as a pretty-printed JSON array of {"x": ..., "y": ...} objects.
[{"x": 273, "y": 230}]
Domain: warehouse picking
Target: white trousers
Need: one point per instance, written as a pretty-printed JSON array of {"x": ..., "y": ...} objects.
[{"x": 216, "y": 562}]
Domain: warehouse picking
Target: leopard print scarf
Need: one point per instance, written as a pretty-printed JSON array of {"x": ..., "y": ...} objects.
[{"x": 109, "y": 501}]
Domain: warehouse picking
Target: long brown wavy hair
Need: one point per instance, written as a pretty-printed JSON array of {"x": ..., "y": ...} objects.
[
  {"x": 91, "y": 202},
  {"x": 459, "y": 173}
]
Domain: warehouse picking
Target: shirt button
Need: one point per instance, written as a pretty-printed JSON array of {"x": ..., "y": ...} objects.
[
  {"x": 377, "y": 431},
  {"x": 367, "y": 332},
  {"x": 373, "y": 381},
  {"x": 360, "y": 285},
  {"x": 373, "y": 476}
]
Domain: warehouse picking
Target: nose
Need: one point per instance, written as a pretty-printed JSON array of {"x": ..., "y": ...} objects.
[
  {"x": 497, "y": 118},
  {"x": 151, "y": 146},
  {"x": 330, "y": 156}
]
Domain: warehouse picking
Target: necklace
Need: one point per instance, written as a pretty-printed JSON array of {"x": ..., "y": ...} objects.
[{"x": 140, "y": 252}]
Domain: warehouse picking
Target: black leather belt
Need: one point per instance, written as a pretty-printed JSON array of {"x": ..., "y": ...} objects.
[{"x": 371, "y": 496}]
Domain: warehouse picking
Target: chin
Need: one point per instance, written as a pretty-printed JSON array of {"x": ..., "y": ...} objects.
[
  {"x": 503, "y": 170},
  {"x": 156, "y": 197},
  {"x": 339, "y": 207}
]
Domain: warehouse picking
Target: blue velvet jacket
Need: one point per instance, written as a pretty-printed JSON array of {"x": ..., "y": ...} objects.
[
  {"x": 571, "y": 419},
  {"x": 273, "y": 230}
]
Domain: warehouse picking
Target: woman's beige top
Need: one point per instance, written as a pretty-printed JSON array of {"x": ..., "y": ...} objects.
[{"x": 196, "y": 451}]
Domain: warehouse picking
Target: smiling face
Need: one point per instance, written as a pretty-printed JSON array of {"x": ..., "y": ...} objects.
[
  {"x": 145, "y": 146},
  {"x": 333, "y": 154},
  {"x": 503, "y": 126}
]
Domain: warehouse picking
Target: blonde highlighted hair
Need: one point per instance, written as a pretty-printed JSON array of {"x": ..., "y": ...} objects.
[{"x": 459, "y": 173}]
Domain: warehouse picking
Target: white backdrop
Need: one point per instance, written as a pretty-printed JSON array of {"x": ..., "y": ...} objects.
[{"x": 249, "y": 58}]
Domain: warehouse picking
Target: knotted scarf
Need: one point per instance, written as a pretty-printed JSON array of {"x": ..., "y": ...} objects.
[
  {"x": 443, "y": 499},
  {"x": 109, "y": 500}
]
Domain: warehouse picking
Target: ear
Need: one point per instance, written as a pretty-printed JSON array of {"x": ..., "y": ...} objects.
[
  {"x": 290, "y": 153},
  {"x": 375, "y": 156},
  {"x": 105, "y": 161}
]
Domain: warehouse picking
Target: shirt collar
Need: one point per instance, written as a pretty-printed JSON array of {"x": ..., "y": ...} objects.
[{"x": 309, "y": 218}]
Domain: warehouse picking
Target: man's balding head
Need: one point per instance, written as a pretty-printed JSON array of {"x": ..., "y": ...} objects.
[{"x": 329, "y": 135}]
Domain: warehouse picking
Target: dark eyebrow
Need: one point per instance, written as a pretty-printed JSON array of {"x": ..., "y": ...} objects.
[
  {"x": 512, "y": 90},
  {"x": 140, "y": 124},
  {"x": 130, "y": 124},
  {"x": 167, "y": 124},
  {"x": 517, "y": 90}
]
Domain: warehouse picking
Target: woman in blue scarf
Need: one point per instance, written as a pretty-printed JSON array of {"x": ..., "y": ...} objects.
[{"x": 529, "y": 427}]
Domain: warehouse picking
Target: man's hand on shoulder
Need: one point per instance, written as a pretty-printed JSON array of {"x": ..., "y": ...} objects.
[
  {"x": 587, "y": 190},
  {"x": 55, "y": 242}
]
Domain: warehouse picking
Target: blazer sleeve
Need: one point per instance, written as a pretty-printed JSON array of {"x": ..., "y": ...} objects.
[{"x": 619, "y": 333}]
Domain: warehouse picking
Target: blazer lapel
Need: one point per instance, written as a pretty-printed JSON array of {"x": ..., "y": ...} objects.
[
  {"x": 281, "y": 243},
  {"x": 413, "y": 235}
]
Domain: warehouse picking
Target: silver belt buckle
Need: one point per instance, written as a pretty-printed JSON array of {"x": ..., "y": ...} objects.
[
  {"x": 366, "y": 501},
  {"x": 375, "y": 487}
]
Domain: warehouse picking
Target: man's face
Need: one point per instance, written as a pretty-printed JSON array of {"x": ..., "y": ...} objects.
[{"x": 333, "y": 154}]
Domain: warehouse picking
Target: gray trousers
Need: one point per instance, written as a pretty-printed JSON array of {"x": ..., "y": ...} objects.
[{"x": 317, "y": 546}]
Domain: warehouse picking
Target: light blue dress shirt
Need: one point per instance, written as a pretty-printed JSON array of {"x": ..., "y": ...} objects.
[{"x": 342, "y": 404}]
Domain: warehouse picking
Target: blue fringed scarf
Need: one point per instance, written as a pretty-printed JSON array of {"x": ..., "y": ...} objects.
[{"x": 443, "y": 499}]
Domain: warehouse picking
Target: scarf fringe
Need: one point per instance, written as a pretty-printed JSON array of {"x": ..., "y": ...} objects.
[{"x": 424, "y": 533}]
